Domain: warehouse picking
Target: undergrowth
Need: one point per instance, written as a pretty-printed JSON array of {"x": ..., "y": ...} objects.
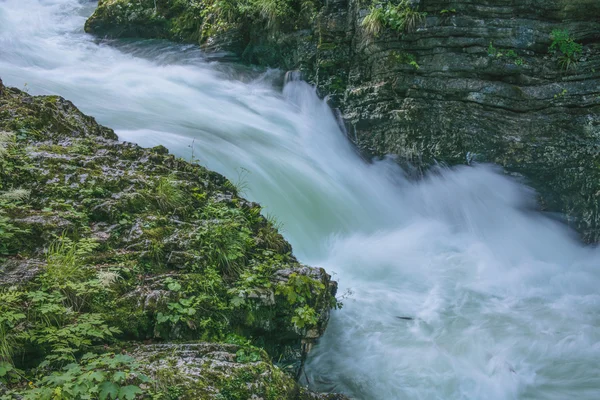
[{"x": 402, "y": 17}]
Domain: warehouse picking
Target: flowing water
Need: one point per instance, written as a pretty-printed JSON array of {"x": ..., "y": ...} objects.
[{"x": 460, "y": 290}]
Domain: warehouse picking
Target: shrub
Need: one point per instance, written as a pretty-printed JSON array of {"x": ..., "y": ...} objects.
[
  {"x": 565, "y": 48},
  {"x": 401, "y": 17}
]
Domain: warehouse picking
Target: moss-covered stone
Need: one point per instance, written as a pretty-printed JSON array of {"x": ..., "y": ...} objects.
[
  {"x": 220, "y": 372},
  {"x": 269, "y": 32},
  {"x": 138, "y": 245}
]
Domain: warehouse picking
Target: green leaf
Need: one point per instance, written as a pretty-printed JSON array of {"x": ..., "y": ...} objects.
[
  {"x": 5, "y": 368},
  {"x": 119, "y": 376},
  {"x": 109, "y": 390},
  {"x": 237, "y": 301},
  {"x": 97, "y": 376},
  {"x": 129, "y": 392}
]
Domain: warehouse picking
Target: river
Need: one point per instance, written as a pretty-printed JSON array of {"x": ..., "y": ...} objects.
[{"x": 459, "y": 288}]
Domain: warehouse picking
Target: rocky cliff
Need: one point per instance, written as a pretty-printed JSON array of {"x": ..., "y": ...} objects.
[
  {"x": 127, "y": 273},
  {"x": 475, "y": 81},
  {"x": 468, "y": 81}
]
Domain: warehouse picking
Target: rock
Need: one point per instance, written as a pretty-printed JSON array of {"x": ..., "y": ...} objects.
[
  {"x": 217, "y": 371},
  {"x": 15, "y": 271},
  {"x": 168, "y": 249},
  {"x": 474, "y": 83}
]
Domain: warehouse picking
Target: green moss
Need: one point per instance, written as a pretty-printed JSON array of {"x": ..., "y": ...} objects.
[
  {"x": 253, "y": 29},
  {"x": 166, "y": 251}
]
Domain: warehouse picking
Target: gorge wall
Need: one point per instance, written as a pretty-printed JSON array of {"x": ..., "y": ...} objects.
[{"x": 473, "y": 82}]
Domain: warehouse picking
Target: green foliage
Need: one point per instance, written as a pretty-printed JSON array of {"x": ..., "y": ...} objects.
[
  {"x": 249, "y": 354},
  {"x": 560, "y": 95},
  {"x": 405, "y": 58},
  {"x": 199, "y": 305},
  {"x": 401, "y": 17},
  {"x": 374, "y": 20},
  {"x": 10, "y": 200},
  {"x": 510, "y": 55},
  {"x": 304, "y": 316},
  {"x": 10, "y": 316},
  {"x": 564, "y": 47},
  {"x": 105, "y": 376},
  {"x": 65, "y": 259},
  {"x": 67, "y": 340},
  {"x": 169, "y": 196},
  {"x": 226, "y": 241},
  {"x": 298, "y": 290},
  {"x": 448, "y": 11},
  {"x": 218, "y": 16}
]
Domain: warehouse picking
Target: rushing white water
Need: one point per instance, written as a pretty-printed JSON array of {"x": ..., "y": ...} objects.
[{"x": 503, "y": 303}]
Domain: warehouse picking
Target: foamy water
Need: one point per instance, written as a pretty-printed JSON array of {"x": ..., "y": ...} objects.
[{"x": 460, "y": 289}]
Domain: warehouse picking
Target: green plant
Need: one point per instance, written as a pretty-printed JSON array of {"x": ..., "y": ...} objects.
[
  {"x": 304, "y": 316},
  {"x": 180, "y": 311},
  {"x": 105, "y": 376},
  {"x": 226, "y": 240},
  {"x": 405, "y": 58},
  {"x": 298, "y": 288},
  {"x": 248, "y": 354},
  {"x": 64, "y": 260},
  {"x": 169, "y": 197},
  {"x": 8, "y": 230},
  {"x": 446, "y": 11},
  {"x": 7, "y": 139},
  {"x": 510, "y": 54},
  {"x": 374, "y": 20},
  {"x": 10, "y": 316},
  {"x": 401, "y": 17},
  {"x": 563, "y": 93},
  {"x": 564, "y": 47}
]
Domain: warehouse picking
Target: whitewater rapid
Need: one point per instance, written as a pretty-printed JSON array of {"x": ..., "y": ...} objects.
[{"x": 460, "y": 290}]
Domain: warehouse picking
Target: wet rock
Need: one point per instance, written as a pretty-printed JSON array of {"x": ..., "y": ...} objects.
[{"x": 475, "y": 83}]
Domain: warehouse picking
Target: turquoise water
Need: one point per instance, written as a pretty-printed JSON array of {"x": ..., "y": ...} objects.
[{"x": 502, "y": 303}]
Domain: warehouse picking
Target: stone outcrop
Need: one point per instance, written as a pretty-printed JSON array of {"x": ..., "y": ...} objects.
[
  {"x": 485, "y": 89},
  {"x": 474, "y": 82},
  {"x": 105, "y": 245}
]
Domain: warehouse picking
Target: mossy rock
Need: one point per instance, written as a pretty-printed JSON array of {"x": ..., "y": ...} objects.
[
  {"x": 147, "y": 246},
  {"x": 221, "y": 372}
]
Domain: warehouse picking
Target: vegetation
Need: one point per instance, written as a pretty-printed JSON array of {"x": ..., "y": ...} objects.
[
  {"x": 448, "y": 11},
  {"x": 510, "y": 55},
  {"x": 401, "y": 17},
  {"x": 404, "y": 58},
  {"x": 195, "y": 21},
  {"x": 93, "y": 262},
  {"x": 565, "y": 49}
]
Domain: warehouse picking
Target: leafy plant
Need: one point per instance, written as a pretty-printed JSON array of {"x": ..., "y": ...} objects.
[
  {"x": 65, "y": 341},
  {"x": 374, "y": 20},
  {"x": 105, "y": 376},
  {"x": 510, "y": 54},
  {"x": 10, "y": 316},
  {"x": 304, "y": 316},
  {"x": 9, "y": 200},
  {"x": 248, "y": 354},
  {"x": 405, "y": 58},
  {"x": 563, "y": 93},
  {"x": 169, "y": 197},
  {"x": 565, "y": 48},
  {"x": 401, "y": 17}
]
